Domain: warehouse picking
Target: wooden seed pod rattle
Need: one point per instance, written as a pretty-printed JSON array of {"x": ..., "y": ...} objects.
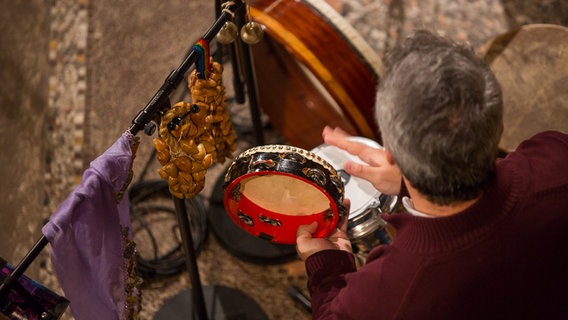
[{"x": 194, "y": 136}]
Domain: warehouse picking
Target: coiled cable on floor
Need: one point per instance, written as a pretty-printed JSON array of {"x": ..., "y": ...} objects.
[{"x": 156, "y": 231}]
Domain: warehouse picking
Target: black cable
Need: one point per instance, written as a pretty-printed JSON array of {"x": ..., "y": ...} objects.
[
  {"x": 147, "y": 200},
  {"x": 140, "y": 219}
]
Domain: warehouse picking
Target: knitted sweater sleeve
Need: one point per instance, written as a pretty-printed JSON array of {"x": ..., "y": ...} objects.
[
  {"x": 394, "y": 282},
  {"x": 326, "y": 270},
  {"x": 547, "y": 153},
  {"x": 328, "y": 279}
]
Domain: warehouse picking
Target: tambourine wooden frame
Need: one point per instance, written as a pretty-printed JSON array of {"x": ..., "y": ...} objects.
[{"x": 290, "y": 161}]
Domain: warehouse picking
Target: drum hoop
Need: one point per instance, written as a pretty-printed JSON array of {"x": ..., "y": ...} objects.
[
  {"x": 375, "y": 197},
  {"x": 348, "y": 32},
  {"x": 279, "y": 148},
  {"x": 363, "y": 225},
  {"x": 372, "y": 202},
  {"x": 372, "y": 198},
  {"x": 275, "y": 232}
]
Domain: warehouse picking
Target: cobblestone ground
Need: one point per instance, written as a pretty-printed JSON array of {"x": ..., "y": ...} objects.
[{"x": 108, "y": 58}]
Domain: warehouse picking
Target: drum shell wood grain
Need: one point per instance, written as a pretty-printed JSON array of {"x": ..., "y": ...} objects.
[{"x": 302, "y": 63}]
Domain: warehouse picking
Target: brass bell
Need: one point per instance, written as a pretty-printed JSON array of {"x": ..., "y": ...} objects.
[
  {"x": 228, "y": 33},
  {"x": 252, "y": 32}
]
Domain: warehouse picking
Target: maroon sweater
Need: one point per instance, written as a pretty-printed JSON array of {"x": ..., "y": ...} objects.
[{"x": 505, "y": 257}]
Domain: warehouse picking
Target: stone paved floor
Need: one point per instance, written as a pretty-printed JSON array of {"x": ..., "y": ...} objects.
[{"x": 108, "y": 58}]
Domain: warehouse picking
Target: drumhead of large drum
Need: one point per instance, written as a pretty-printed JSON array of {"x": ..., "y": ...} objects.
[
  {"x": 531, "y": 65},
  {"x": 367, "y": 203},
  {"x": 360, "y": 192}
]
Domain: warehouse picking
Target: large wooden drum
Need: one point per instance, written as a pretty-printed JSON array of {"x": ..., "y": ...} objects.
[
  {"x": 531, "y": 63},
  {"x": 313, "y": 69}
]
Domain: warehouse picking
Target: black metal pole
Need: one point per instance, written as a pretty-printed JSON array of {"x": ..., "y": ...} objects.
[
  {"x": 219, "y": 48},
  {"x": 150, "y": 111},
  {"x": 250, "y": 82},
  {"x": 191, "y": 261},
  {"x": 237, "y": 82},
  {"x": 21, "y": 267},
  {"x": 233, "y": 56},
  {"x": 142, "y": 119}
]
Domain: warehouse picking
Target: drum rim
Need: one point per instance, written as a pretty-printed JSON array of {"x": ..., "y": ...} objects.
[
  {"x": 324, "y": 72},
  {"x": 280, "y": 235},
  {"x": 375, "y": 196},
  {"x": 279, "y": 148}
]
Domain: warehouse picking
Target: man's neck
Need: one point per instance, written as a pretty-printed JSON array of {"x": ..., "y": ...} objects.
[{"x": 422, "y": 204}]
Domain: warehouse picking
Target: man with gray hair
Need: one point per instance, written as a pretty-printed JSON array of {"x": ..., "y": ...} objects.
[{"x": 481, "y": 236}]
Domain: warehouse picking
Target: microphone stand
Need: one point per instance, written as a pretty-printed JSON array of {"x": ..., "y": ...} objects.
[
  {"x": 250, "y": 83},
  {"x": 235, "y": 240},
  {"x": 221, "y": 302},
  {"x": 145, "y": 121}
]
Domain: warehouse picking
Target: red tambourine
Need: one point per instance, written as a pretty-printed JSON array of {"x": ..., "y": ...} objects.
[{"x": 271, "y": 190}]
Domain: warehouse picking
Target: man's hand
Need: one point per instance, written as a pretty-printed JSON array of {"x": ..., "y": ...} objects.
[
  {"x": 381, "y": 170},
  {"x": 306, "y": 244}
]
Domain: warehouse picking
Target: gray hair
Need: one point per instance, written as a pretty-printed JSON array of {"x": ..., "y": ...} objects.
[{"x": 439, "y": 110}]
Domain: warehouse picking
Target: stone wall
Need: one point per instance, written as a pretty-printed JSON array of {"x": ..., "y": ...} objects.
[{"x": 24, "y": 72}]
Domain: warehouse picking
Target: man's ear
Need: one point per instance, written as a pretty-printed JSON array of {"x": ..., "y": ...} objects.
[{"x": 388, "y": 155}]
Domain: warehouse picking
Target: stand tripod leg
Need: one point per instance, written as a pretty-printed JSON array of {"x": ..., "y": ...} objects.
[
  {"x": 22, "y": 266},
  {"x": 214, "y": 302},
  {"x": 191, "y": 259},
  {"x": 250, "y": 81}
]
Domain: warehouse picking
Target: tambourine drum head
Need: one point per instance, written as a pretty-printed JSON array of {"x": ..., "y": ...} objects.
[
  {"x": 284, "y": 194},
  {"x": 269, "y": 192}
]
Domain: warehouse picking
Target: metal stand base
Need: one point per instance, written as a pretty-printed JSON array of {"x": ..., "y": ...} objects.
[{"x": 220, "y": 302}]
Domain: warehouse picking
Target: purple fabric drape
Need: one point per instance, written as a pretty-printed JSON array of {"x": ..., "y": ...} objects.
[{"x": 85, "y": 236}]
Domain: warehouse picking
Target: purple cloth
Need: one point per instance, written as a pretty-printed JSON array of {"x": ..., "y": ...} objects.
[{"x": 85, "y": 237}]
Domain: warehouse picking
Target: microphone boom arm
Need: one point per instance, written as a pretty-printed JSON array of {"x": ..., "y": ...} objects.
[{"x": 161, "y": 97}]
